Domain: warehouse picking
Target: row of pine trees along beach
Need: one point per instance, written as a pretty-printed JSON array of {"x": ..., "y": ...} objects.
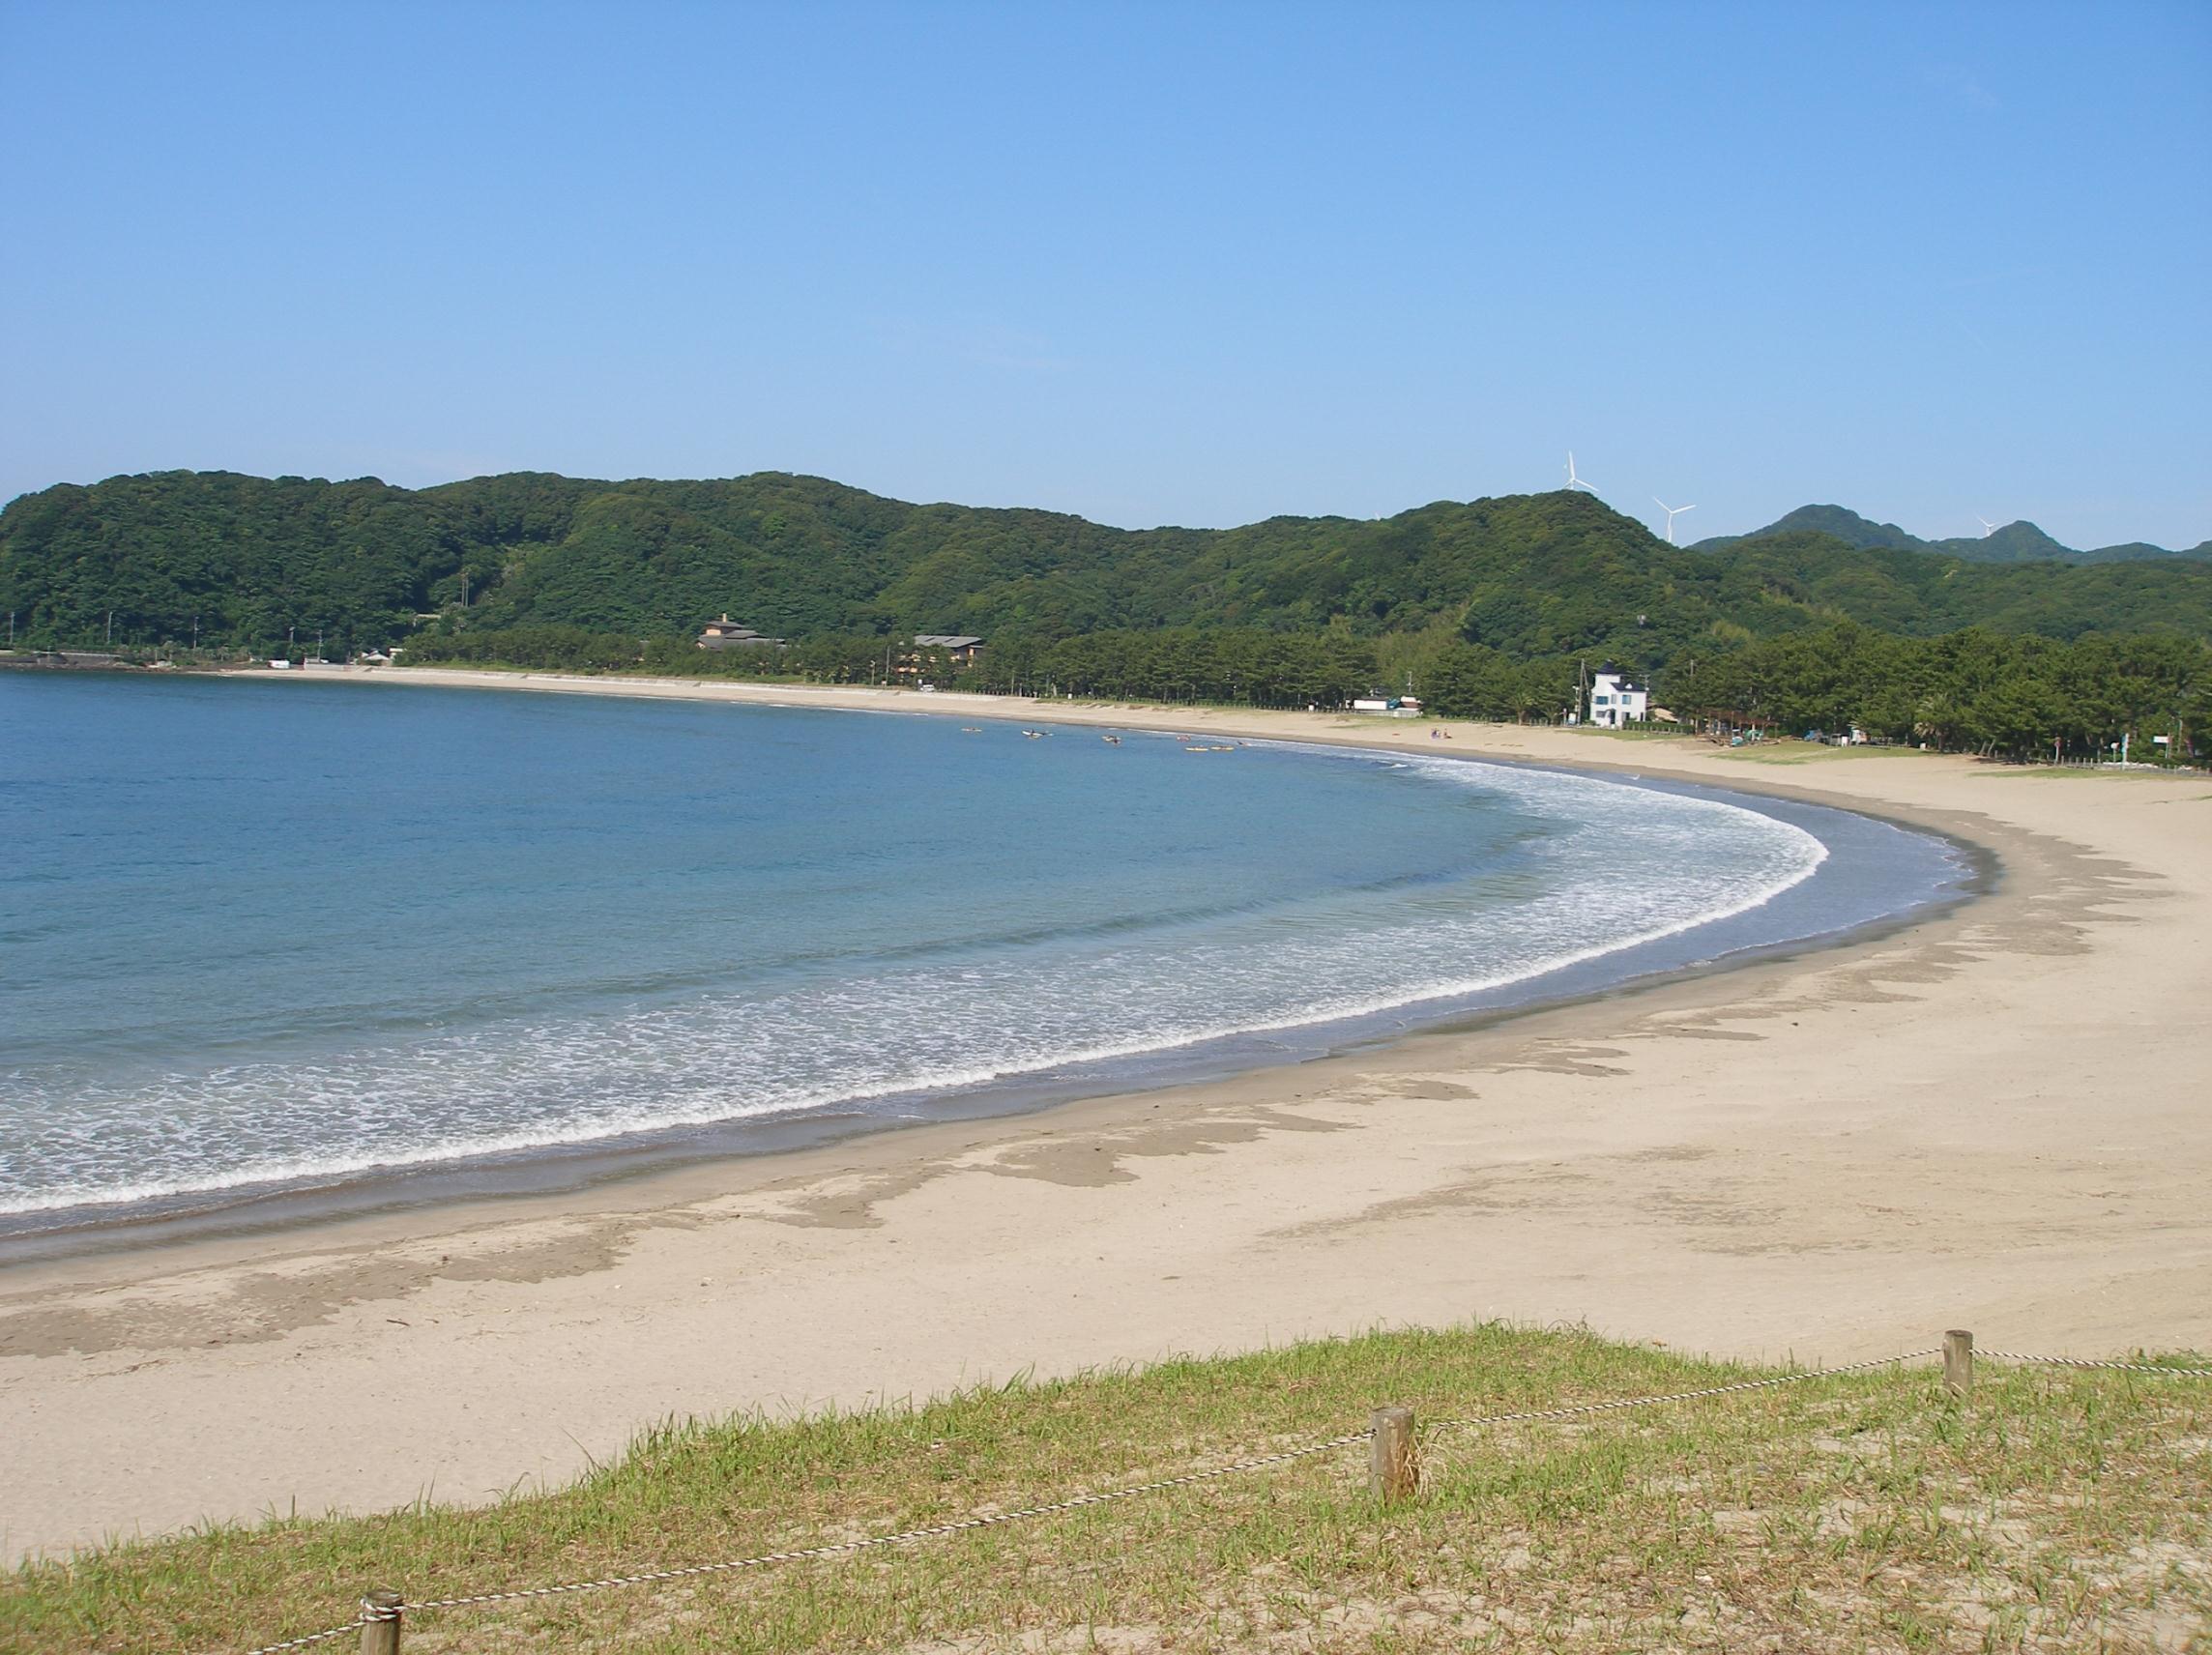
[{"x": 1488, "y": 609}]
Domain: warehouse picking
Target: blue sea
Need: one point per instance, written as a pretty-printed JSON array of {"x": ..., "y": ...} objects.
[{"x": 263, "y": 936}]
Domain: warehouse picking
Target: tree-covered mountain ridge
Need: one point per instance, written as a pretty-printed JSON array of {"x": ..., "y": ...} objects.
[
  {"x": 2009, "y": 543},
  {"x": 164, "y": 558}
]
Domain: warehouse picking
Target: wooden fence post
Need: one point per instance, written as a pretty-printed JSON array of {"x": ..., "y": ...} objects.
[
  {"x": 380, "y": 1624},
  {"x": 1959, "y": 1364},
  {"x": 1391, "y": 1472}
]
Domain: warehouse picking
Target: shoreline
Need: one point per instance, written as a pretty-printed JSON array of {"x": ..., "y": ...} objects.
[
  {"x": 1800, "y": 919},
  {"x": 1970, "y": 1122}
]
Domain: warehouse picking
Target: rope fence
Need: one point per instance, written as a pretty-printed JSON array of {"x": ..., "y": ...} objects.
[
  {"x": 1393, "y": 1474},
  {"x": 2077, "y": 1362}
]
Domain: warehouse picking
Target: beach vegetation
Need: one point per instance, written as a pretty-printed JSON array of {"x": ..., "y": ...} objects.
[{"x": 1870, "y": 1511}]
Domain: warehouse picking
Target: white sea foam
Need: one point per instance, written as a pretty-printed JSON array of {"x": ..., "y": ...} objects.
[{"x": 1628, "y": 866}]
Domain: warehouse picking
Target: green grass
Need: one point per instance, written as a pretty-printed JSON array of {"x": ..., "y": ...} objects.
[
  {"x": 1789, "y": 750},
  {"x": 1774, "y": 750},
  {"x": 1869, "y": 1512},
  {"x": 1657, "y": 732}
]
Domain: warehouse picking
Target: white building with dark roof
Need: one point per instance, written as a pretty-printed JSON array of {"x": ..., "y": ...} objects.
[{"x": 1616, "y": 699}]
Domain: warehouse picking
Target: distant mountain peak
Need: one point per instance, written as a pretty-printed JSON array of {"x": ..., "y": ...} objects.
[
  {"x": 1847, "y": 525},
  {"x": 2017, "y": 543}
]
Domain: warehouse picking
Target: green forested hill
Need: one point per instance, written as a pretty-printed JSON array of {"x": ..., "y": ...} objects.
[
  {"x": 1528, "y": 576},
  {"x": 2013, "y": 543}
]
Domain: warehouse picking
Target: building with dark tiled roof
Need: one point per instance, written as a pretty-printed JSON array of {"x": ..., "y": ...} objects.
[{"x": 726, "y": 634}]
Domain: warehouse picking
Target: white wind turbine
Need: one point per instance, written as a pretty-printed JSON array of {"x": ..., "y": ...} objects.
[
  {"x": 1574, "y": 482},
  {"x": 1987, "y": 528},
  {"x": 1673, "y": 512}
]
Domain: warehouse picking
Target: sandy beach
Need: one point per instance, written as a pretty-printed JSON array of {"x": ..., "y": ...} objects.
[{"x": 1995, "y": 1118}]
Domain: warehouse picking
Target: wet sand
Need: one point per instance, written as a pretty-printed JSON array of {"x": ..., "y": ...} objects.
[{"x": 1994, "y": 1119}]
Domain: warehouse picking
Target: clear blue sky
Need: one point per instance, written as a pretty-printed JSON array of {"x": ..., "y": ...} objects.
[{"x": 1194, "y": 264}]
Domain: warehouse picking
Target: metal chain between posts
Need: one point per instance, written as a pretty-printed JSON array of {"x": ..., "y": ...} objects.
[{"x": 845, "y": 1548}]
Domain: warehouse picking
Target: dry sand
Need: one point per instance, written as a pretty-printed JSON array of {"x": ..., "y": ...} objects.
[{"x": 1993, "y": 1120}]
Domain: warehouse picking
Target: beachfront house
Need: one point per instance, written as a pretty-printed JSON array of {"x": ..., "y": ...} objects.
[
  {"x": 727, "y": 634},
  {"x": 1614, "y": 699},
  {"x": 957, "y": 647}
]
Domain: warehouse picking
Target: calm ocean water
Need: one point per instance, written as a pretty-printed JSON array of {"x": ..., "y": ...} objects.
[{"x": 260, "y": 933}]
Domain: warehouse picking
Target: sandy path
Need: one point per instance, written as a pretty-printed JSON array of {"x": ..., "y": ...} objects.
[{"x": 1997, "y": 1119}]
